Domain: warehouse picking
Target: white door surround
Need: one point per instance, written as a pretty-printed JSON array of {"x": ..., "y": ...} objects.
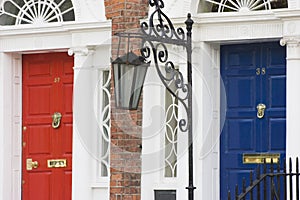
[
  {"x": 87, "y": 38},
  {"x": 210, "y": 31}
]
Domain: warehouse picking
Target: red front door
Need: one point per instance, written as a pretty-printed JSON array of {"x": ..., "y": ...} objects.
[{"x": 47, "y": 140}]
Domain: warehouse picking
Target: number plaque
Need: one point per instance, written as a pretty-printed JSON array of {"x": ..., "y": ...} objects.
[{"x": 57, "y": 163}]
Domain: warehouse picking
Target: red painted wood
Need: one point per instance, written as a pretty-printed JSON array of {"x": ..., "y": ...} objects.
[{"x": 42, "y": 96}]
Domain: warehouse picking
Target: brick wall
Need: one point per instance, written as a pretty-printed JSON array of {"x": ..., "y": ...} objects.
[
  {"x": 125, "y": 14},
  {"x": 126, "y": 126}
]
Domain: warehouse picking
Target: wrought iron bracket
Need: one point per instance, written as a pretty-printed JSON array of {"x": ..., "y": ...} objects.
[{"x": 155, "y": 35}]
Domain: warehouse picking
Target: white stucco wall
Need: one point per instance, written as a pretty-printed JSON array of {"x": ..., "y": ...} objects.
[{"x": 89, "y": 10}]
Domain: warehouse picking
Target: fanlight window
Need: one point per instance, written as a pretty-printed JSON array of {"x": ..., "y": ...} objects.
[
  {"x": 240, "y": 5},
  {"x": 16, "y": 12}
]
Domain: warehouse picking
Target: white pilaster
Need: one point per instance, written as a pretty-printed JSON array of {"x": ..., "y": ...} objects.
[
  {"x": 5, "y": 127},
  {"x": 84, "y": 123},
  {"x": 16, "y": 135},
  {"x": 293, "y": 96},
  {"x": 293, "y": 4}
]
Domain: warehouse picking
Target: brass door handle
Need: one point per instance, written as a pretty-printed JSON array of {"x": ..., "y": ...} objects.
[
  {"x": 31, "y": 164},
  {"x": 56, "y": 118},
  {"x": 261, "y": 110},
  {"x": 35, "y": 164}
]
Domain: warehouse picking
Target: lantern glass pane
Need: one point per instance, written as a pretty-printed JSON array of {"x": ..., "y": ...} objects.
[
  {"x": 123, "y": 78},
  {"x": 116, "y": 78},
  {"x": 140, "y": 77},
  {"x": 126, "y": 81}
]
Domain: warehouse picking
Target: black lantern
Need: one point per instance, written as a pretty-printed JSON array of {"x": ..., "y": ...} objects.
[{"x": 129, "y": 75}]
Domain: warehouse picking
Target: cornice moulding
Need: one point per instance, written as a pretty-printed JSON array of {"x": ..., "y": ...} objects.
[
  {"x": 235, "y": 26},
  {"x": 6, "y": 31},
  {"x": 230, "y": 17},
  {"x": 287, "y": 13},
  {"x": 290, "y": 40},
  {"x": 55, "y": 36},
  {"x": 234, "y": 17}
]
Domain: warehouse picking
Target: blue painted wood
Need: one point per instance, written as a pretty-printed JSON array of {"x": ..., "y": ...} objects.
[{"x": 243, "y": 132}]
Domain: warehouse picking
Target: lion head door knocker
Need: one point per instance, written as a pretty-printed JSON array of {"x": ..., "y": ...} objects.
[{"x": 56, "y": 118}]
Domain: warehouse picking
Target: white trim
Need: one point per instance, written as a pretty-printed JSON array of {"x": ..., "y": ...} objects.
[
  {"x": 29, "y": 29},
  {"x": 209, "y": 32},
  {"x": 195, "y": 5},
  {"x": 7, "y": 122},
  {"x": 11, "y": 110},
  {"x": 15, "y": 41},
  {"x": 85, "y": 183},
  {"x": 17, "y": 126},
  {"x": 56, "y": 36}
]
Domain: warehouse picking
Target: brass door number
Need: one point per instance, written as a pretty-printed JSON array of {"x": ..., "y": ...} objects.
[
  {"x": 56, "y": 79},
  {"x": 57, "y": 163},
  {"x": 261, "y": 71},
  {"x": 257, "y": 71}
]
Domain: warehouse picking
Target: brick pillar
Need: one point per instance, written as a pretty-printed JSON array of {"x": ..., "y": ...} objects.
[{"x": 126, "y": 126}]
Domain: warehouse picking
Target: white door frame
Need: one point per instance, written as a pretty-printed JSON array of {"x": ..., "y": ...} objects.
[{"x": 230, "y": 28}]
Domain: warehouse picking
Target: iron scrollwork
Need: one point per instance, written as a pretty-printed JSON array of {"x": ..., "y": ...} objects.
[
  {"x": 162, "y": 29},
  {"x": 155, "y": 37},
  {"x": 168, "y": 75}
]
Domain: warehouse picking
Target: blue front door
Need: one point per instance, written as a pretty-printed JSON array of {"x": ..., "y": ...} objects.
[{"x": 252, "y": 74}]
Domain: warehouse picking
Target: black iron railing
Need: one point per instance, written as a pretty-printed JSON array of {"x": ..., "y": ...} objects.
[{"x": 270, "y": 182}]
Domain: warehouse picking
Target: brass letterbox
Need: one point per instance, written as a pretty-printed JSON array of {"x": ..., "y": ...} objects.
[{"x": 260, "y": 158}]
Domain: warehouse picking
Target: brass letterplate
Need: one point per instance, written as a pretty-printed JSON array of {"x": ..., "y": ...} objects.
[
  {"x": 57, "y": 163},
  {"x": 261, "y": 158}
]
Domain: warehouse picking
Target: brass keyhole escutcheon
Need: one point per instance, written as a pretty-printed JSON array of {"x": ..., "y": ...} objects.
[
  {"x": 56, "y": 118},
  {"x": 261, "y": 110}
]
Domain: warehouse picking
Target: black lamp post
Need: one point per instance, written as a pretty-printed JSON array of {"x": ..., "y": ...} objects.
[{"x": 131, "y": 69}]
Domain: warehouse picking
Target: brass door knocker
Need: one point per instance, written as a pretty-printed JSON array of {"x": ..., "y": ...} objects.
[
  {"x": 56, "y": 117},
  {"x": 261, "y": 110}
]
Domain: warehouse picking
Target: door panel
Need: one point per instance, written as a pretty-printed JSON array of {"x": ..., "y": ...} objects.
[
  {"x": 273, "y": 89},
  {"x": 47, "y": 88},
  {"x": 252, "y": 74}
]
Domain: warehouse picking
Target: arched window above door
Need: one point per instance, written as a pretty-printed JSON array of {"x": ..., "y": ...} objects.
[
  {"x": 240, "y": 5},
  {"x": 16, "y": 12}
]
